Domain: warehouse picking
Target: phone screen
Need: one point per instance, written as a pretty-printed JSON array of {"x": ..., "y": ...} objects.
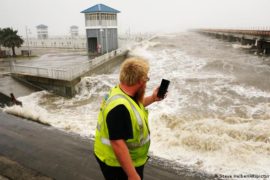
[{"x": 163, "y": 88}]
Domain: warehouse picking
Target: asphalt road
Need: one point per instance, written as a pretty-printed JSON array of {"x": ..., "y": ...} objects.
[{"x": 55, "y": 154}]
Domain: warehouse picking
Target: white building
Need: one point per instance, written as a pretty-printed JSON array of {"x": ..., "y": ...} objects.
[
  {"x": 101, "y": 29},
  {"x": 74, "y": 31},
  {"x": 42, "y": 31}
]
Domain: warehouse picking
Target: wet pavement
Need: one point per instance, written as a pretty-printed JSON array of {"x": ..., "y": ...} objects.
[
  {"x": 13, "y": 170},
  {"x": 52, "y": 153},
  {"x": 59, "y": 60}
]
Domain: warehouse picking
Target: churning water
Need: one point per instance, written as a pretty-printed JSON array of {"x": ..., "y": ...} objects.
[{"x": 216, "y": 117}]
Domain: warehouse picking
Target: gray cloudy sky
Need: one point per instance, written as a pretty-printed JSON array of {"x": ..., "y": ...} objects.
[{"x": 136, "y": 15}]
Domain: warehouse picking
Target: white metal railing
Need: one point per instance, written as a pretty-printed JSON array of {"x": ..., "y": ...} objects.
[
  {"x": 106, "y": 57},
  {"x": 39, "y": 71},
  {"x": 65, "y": 74},
  {"x": 101, "y": 23}
]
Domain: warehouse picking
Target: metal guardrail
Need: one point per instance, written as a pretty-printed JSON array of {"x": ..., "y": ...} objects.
[
  {"x": 38, "y": 71},
  {"x": 65, "y": 74}
]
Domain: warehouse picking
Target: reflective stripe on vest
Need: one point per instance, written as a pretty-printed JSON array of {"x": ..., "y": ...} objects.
[
  {"x": 139, "y": 121},
  {"x": 130, "y": 145}
]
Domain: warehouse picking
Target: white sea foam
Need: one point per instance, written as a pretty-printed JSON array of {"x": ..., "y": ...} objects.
[
  {"x": 237, "y": 46},
  {"x": 250, "y": 92},
  {"x": 30, "y": 109}
]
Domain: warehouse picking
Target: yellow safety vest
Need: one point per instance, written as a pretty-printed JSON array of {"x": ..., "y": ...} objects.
[{"x": 138, "y": 146}]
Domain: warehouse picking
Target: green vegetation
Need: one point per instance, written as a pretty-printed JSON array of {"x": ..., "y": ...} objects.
[{"x": 10, "y": 39}]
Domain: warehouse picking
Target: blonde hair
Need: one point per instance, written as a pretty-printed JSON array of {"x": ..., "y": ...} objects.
[{"x": 133, "y": 70}]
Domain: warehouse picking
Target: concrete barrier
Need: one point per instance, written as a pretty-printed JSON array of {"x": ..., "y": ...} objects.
[{"x": 66, "y": 88}]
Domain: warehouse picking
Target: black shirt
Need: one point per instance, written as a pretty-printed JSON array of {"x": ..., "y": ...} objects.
[{"x": 119, "y": 123}]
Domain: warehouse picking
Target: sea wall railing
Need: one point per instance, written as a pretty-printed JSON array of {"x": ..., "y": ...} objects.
[
  {"x": 65, "y": 74},
  {"x": 259, "y": 39},
  {"x": 254, "y": 32}
]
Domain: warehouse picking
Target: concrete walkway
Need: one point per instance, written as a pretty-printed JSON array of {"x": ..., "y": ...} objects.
[{"x": 47, "y": 153}]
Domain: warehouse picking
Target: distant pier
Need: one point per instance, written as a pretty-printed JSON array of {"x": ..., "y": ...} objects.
[{"x": 258, "y": 39}]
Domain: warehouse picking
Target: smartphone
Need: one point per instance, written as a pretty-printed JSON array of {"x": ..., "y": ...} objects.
[{"x": 163, "y": 88}]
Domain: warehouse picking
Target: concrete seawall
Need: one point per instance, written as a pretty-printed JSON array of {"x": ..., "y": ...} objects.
[
  {"x": 67, "y": 88},
  {"x": 108, "y": 66},
  {"x": 258, "y": 40}
]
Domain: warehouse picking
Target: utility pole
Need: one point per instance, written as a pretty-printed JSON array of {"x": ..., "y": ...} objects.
[
  {"x": 26, "y": 30},
  {"x": 101, "y": 38},
  {"x": 101, "y": 41},
  {"x": 106, "y": 36}
]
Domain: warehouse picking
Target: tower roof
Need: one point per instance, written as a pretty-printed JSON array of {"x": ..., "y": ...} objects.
[
  {"x": 74, "y": 27},
  {"x": 100, "y": 8},
  {"x": 42, "y": 26}
]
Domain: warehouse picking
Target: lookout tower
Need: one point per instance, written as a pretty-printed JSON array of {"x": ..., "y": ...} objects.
[
  {"x": 101, "y": 29},
  {"x": 42, "y": 31},
  {"x": 74, "y": 31}
]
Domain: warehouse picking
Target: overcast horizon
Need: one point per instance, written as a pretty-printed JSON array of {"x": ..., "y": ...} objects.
[{"x": 136, "y": 16}]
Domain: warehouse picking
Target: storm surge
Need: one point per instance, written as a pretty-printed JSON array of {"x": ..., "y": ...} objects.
[{"x": 215, "y": 119}]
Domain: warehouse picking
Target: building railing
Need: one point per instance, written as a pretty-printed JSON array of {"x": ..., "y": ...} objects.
[
  {"x": 101, "y": 23},
  {"x": 65, "y": 74}
]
